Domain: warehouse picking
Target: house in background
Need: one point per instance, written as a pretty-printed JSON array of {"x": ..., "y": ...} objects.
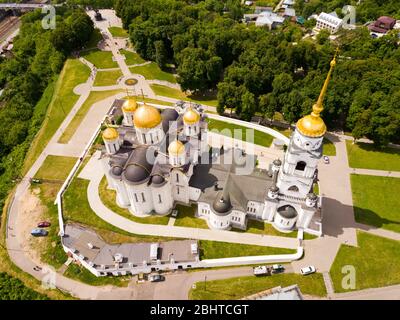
[
  {"x": 269, "y": 19},
  {"x": 328, "y": 21},
  {"x": 383, "y": 25}
]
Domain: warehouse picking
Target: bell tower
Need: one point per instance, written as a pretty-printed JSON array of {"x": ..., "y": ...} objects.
[{"x": 297, "y": 173}]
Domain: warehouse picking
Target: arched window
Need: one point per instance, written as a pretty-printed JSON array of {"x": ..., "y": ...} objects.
[
  {"x": 293, "y": 188},
  {"x": 300, "y": 166}
]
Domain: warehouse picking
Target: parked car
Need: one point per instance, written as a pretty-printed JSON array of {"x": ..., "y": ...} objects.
[
  {"x": 39, "y": 232},
  {"x": 278, "y": 268},
  {"x": 156, "y": 278},
  {"x": 261, "y": 271},
  {"x": 326, "y": 159},
  {"x": 44, "y": 224},
  {"x": 307, "y": 270}
]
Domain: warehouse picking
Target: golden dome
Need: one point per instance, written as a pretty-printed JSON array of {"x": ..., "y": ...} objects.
[
  {"x": 176, "y": 148},
  {"x": 110, "y": 134},
  {"x": 191, "y": 116},
  {"x": 311, "y": 126},
  {"x": 146, "y": 117},
  {"x": 129, "y": 105}
]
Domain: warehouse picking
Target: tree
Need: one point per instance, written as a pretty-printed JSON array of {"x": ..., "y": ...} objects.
[
  {"x": 268, "y": 105},
  {"x": 248, "y": 106},
  {"x": 161, "y": 54}
]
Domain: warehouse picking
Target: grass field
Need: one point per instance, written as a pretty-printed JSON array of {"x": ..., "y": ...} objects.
[
  {"x": 329, "y": 148},
  {"x": 260, "y": 227},
  {"x": 217, "y": 249},
  {"x": 118, "y": 32},
  {"x": 236, "y": 288},
  {"x": 186, "y": 218},
  {"x": 376, "y": 261},
  {"x": 107, "y": 78},
  {"x": 108, "y": 198},
  {"x": 226, "y": 128},
  {"x": 82, "y": 274},
  {"x": 101, "y": 59},
  {"x": 77, "y": 209},
  {"x": 376, "y": 201},
  {"x": 63, "y": 99},
  {"x": 132, "y": 58},
  {"x": 177, "y": 94},
  {"x": 152, "y": 71},
  {"x": 94, "y": 97},
  {"x": 367, "y": 156},
  {"x": 56, "y": 168}
]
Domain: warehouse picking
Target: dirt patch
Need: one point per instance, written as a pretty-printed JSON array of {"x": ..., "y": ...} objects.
[{"x": 32, "y": 211}]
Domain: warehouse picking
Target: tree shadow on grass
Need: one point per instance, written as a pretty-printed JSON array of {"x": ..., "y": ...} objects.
[{"x": 338, "y": 216}]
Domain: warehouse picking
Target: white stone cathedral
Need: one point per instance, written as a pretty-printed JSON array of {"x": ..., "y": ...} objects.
[{"x": 155, "y": 160}]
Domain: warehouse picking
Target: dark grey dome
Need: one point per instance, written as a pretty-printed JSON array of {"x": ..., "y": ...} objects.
[
  {"x": 222, "y": 205},
  {"x": 136, "y": 173},
  {"x": 287, "y": 212},
  {"x": 116, "y": 171},
  {"x": 157, "y": 179},
  {"x": 138, "y": 168},
  {"x": 277, "y": 162},
  {"x": 168, "y": 115}
]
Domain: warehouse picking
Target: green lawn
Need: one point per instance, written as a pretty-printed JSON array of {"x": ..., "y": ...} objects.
[
  {"x": 118, "y": 32},
  {"x": 63, "y": 99},
  {"x": 56, "y": 168},
  {"x": 329, "y": 148},
  {"x": 186, "y": 218},
  {"x": 132, "y": 58},
  {"x": 94, "y": 96},
  {"x": 177, "y": 94},
  {"x": 225, "y": 128},
  {"x": 376, "y": 201},
  {"x": 217, "y": 249},
  {"x": 367, "y": 156},
  {"x": 107, "y": 78},
  {"x": 101, "y": 59},
  {"x": 82, "y": 274},
  {"x": 152, "y": 71},
  {"x": 108, "y": 198},
  {"x": 240, "y": 287},
  {"x": 376, "y": 261},
  {"x": 77, "y": 209}
]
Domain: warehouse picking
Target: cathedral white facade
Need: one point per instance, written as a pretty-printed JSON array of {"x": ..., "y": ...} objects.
[{"x": 155, "y": 160}]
